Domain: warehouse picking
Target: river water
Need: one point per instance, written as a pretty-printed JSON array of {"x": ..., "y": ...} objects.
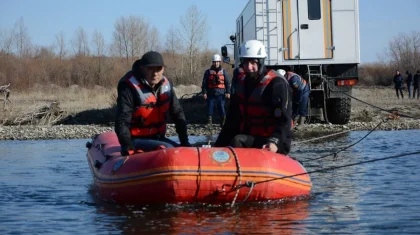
[{"x": 46, "y": 188}]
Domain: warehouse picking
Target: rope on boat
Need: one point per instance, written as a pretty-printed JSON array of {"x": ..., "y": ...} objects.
[
  {"x": 325, "y": 170},
  {"x": 239, "y": 174},
  {"x": 198, "y": 181}
]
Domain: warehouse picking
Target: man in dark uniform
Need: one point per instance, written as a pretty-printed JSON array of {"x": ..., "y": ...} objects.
[{"x": 260, "y": 112}]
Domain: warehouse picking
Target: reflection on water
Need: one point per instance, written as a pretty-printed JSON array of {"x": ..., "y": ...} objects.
[
  {"x": 46, "y": 188},
  {"x": 201, "y": 219}
]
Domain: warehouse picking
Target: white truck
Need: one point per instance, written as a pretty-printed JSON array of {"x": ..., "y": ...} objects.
[{"x": 319, "y": 39}]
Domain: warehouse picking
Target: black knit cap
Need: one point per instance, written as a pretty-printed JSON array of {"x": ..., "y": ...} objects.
[{"x": 151, "y": 58}]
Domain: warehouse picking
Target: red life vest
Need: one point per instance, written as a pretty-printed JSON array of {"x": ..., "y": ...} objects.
[
  {"x": 301, "y": 83},
  {"x": 149, "y": 118},
  {"x": 216, "y": 79},
  {"x": 258, "y": 119},
  {"x": 241, "y": 73}
]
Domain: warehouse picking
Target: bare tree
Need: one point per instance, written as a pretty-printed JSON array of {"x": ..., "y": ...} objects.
[
  {"x": 173, "y": 45},
  {"x": 22, "y": 39},
  {"x": 6, "y": 41},
  {"x": 153, "y": 41},
  {"x": 130, "y": 37},
  {"x": 98, "y": 44},
  {"x": 60, "y": 44},
  {"x": 81, "y": 43},
  {"x": 99, "y": 53},
  {"x": 193, "y": 33},
  {"x": 404, "y": 51}
]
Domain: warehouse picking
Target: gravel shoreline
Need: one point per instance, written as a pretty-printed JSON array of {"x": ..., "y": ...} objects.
[{"x": 27, "y": 132}]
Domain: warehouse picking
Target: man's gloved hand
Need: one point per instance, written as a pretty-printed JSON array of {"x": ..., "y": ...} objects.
[
  {"x": 127, "y": 150},
  {"x": 186, "y": 144}
]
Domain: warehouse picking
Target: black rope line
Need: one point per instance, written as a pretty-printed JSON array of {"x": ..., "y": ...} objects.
[
  {"x": 380, "y": 108},
  {"x": 335, "y": 154},
  {"x": 324, "y": 170}
]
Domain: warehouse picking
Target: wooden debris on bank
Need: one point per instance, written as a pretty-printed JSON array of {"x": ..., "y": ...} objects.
[
  {"x": 41, "y": 115},
  {"x": 4, "y": 95}
]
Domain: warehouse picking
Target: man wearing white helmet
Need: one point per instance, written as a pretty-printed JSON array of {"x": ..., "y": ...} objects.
[
  {"x": 216, "y": 88},
  {"x": 260, "y": 112}
]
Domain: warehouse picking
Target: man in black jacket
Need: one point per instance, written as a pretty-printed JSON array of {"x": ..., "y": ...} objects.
[
  {"x": 416, "y": 85},
  {"x": 145, "y": 97},
  {"x": 260, "y": 113},
  {"x": 409, "y": 83}
]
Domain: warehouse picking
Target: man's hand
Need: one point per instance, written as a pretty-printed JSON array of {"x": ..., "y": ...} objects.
[
  {"x": 186, "y": 144},
  {"x": 126, "y": 151},
  {"x": 227, "y": 95},
  {"x": 270, "y": 147},
  {"x": 205, "y": 96}
]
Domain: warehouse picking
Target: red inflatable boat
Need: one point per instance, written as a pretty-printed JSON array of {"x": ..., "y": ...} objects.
[{"x": 193, "y": 174}]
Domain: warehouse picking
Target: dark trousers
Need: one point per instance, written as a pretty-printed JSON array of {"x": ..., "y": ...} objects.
[
  {"x": 409, "y": 89},
  {"x": 300, "y": 107},
  {"x": 219, "y": 101},
  {"x": 249, "y": 141},
  {"x": 416, "y": 90},
  {"x": 401, "y": 92},
  {"x": 152, "y": 144}
]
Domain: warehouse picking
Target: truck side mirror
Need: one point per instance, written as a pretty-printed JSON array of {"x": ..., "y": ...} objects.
[
  {"x": 224, "y": 51},
  {"x": 226, "y": 59}
]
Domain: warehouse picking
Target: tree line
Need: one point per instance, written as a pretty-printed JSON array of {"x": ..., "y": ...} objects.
[
  {"x": 87, "y": 60},
  {"x": 402, "y": 53}
]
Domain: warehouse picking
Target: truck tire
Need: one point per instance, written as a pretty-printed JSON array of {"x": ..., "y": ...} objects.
[{"x": 339, "y": 110}]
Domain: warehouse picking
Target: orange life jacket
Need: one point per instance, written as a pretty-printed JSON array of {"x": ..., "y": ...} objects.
[
  {"x": 301, "y": 83},
  {"x": 216, "y": 79},
  {"x": 258, "y": 119},
  {"x": 241, "y": 73},
  {"x": 149, "y": 119}
]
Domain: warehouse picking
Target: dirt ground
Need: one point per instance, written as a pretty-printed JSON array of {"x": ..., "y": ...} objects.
[{"x": 96, "y": 106}]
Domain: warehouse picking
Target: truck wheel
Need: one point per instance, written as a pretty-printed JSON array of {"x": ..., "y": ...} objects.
[{"x": 339, "y": 110}]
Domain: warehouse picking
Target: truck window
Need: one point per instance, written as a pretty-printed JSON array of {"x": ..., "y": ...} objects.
[{"x": 314, "y": 9}]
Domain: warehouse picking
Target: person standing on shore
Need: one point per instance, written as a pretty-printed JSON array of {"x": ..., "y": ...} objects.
[
  {"x": 416, "y": 85},
  {"x": 145, "y": 97},
  {"x": 398, "y": 81},
  {"x": 409, "y": 81},
  {"x": 215, "y": 89}
]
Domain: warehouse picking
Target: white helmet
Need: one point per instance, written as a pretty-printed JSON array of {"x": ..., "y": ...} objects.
[
  {"x": 282, "y": 72},
  {"x": 252, "y": 49},
  {"x": 216, "y": 57}
]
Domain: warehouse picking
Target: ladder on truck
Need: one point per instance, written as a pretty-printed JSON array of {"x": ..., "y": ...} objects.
[
  {"x": 315, "y": 71},
  {"x": 269, "y": 28}
]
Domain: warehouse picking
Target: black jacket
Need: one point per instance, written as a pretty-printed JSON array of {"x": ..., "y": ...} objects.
[
  {"x": 278, "y": 94},
  {"x": 416, "y": 80},
  {"x": 409, "y": 79},
  {"x": 127, "y": 102}
]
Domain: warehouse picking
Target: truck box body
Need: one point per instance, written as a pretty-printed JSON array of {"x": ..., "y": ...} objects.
[
  {"x": 318, "y": 39},
  {"x": 299, "y": 32}
]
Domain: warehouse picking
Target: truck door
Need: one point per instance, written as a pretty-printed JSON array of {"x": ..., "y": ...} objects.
[{"x": 313, "y": 26}]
